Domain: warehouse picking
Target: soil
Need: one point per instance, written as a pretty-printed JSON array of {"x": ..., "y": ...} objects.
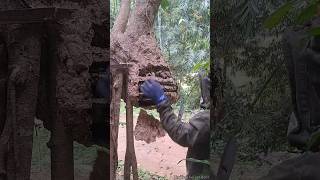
[
  {"x": 160, "y": 157},
  {"x": 148, "y": 128}
]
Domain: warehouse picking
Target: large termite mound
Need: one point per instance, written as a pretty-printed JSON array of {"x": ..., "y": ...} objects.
[
  {"x": 136, "y": 44},
  {"x": 148, "y": 63},
  {"x": 148, "y": 128},
  {"x": 81, "y": 44}
]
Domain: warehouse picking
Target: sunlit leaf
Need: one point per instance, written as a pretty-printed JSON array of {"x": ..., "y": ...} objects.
[
  {"x": 180, "y": 21},
  {"x": 201, "y": 65},
  {"x": 276, "y": 17}
]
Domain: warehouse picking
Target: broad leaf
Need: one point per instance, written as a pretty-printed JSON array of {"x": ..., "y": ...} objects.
[
  {"x": 277, "y": 16},
  {"x": 165, "y": 4}
]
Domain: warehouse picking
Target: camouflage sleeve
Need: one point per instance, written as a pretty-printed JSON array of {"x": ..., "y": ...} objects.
[{"x": 185, "y": 134}]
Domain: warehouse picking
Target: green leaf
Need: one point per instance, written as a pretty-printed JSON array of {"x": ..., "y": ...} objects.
[
  {"x": 307, "y": 13},
  {"x": 164, "y": 4},
  {"x": 276, "y": 17},
  {"x": 196, "y": 161},
  {"x": 314, "y": 31},
  {"x": 201, "y": 65}
]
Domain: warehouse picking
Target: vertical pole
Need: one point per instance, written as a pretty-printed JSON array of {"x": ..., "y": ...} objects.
[
  {"x": 130, "y": 157},
  {"x": 117, "y": 83},
  {"x": 61, "y": 140},
  {"x": 62, "y": 165}
]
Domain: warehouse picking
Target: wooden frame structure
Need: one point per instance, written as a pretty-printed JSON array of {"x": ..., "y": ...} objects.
[{"x": 120, "y": 90}]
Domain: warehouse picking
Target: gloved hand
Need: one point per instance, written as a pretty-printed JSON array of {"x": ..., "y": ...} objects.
[{"x": 152, "y": 89}]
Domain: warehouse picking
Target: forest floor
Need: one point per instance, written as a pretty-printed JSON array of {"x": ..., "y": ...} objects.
[
  {"x": 157, "y": 160},
  {"x": 160, "y": 157}
]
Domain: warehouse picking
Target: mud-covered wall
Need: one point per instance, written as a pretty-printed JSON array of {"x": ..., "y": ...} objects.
[{"x": 82, "y": 41}]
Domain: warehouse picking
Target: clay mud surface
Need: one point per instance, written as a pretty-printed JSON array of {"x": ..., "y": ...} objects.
[
  {"x": 81, "y": 42},
  {"x": 148, "y": 63},
  {"x": 148, "y": 128},
  {"x": 139, "y": 48}
]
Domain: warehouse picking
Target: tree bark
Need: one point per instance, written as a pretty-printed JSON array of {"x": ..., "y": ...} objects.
[{"x": 117, "y": 83}]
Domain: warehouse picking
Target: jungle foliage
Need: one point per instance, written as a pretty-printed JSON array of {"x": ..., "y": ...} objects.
[{"x": 256, "y": 94}]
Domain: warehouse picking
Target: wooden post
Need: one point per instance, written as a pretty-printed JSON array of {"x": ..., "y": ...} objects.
[
  {"x": 61, "y": 140},
  {"x": 130, "y": 157},
  {"x": 62, "y": 165},
  {"x": 117, "y": 83}
]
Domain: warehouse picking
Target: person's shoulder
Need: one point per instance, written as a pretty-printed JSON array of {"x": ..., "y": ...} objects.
[{"x": 201, "y": 115}]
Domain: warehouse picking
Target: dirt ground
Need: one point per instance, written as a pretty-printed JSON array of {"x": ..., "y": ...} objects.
[{"x": 160, "y": 157}]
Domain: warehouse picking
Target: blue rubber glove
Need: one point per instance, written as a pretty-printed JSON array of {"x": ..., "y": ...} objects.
[{"x": 153, "y": 90}]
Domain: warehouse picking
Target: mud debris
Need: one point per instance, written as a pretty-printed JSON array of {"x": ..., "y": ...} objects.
[{"x": 148, "y": 128}]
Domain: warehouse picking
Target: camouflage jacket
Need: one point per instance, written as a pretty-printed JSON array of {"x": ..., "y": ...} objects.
[{"x": 195, "y": 135}]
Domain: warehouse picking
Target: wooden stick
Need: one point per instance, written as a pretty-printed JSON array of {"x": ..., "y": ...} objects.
[
  {"x": 117, "y": 84},
  {"x": 130, "y": 157}
]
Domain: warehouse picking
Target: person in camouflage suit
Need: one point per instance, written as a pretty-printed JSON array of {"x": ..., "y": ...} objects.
[{"x": 195, "y": 135}]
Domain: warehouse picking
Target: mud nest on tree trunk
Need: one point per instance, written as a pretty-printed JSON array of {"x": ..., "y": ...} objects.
[{"x": 133, "y": 42}]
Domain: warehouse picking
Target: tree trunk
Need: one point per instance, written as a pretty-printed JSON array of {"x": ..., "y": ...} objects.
[
  {"x": 117, "y": 83},
  {"x": 133, "y": 42}
]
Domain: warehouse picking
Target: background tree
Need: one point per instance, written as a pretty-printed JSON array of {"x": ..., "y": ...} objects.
[{"x": 257, "y": 95}]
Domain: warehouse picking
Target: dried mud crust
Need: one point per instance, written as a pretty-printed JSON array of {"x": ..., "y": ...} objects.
[
  {"x": 77, "y": 49},
  {"x": 148, "y": 128},
  {"x": 146, "y": 62}
]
